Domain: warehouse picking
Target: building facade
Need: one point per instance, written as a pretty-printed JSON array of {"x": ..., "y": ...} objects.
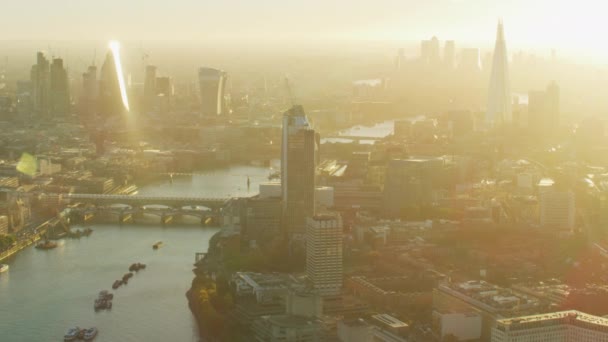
[
  {"x": 299, "y": 158},
  {"x": 565, "y": 326},
  {"x": 324, "y": 253},
  {"x": 212, "y": 85}
]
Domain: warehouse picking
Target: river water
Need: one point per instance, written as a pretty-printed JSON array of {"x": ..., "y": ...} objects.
[{"x": 46, "y": 292}]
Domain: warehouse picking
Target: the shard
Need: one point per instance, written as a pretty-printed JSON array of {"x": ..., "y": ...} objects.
[{"x": 499, "y": 109}]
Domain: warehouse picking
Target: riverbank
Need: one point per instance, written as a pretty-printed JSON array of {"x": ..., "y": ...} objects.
[{"x": 25, "y": 242}]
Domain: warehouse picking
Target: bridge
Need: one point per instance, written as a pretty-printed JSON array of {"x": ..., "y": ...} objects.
[
  {"x": 354, "y": 138},
  {"x": 214, "y": 204}
]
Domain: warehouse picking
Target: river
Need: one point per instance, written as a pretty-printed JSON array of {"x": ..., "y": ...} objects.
[
  {"x": 46, "y": 292},
  {"x": 378, "y": 130}
]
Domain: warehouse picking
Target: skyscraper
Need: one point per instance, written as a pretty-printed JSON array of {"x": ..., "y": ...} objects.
[
  {"x": 299, "y": 154},
  {"x": 429, "y": 51},
  {"x": 499, "y": 109},
  {"x": 324, "y": 253},
  {"x": 59, "y": 89},
  {"x": 212, "y": 84},
  {"x": 110, "y": 97},
  {"x": 149, "y": 88},
  {"x": 543, "y": 110},
  {"x": 40, "y": 77}
]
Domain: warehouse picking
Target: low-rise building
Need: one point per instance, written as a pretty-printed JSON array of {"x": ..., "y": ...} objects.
[{"x": 566, "y": 326}]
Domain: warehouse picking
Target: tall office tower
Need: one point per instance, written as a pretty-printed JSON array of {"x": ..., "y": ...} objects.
[
  {"x": 60, "y": 89},
  {"x": 90, "y": 90},
  {"x": 449, "y": 54},
  {"x": 324, "y": 253},
  {"x": 429, "y": 51},
  {"x": 164, "y": 94},
  {"x": 400, "y": 59},
  {"x": 212, "y": 85},
  {"x": 40, "y": 77},
  {"x": 557, "y": 205},
  {"x": 470, "y": 61},
  {"x": 543, "y": 110},
  {"x": 499, "y": 109},
  {"x": 150, "y": 88},
  {"x": 553, "y": 98},
  {"x": 299, "y": 157},
  {"x": 110, "y": 97}
]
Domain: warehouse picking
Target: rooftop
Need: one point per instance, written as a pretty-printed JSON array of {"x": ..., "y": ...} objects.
[{"x": 564, "y": 317}]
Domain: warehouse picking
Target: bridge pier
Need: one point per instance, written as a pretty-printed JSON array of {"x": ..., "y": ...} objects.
[
  {"x": 166, "y": 219},
  {"x": 87, "y": 217},
  {"x": 125, "y": 218}
]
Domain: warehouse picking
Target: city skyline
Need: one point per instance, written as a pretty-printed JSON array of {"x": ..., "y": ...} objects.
[{"x": 271, "y": 21}]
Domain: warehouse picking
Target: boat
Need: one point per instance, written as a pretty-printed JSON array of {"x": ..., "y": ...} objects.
[
  {"x": 72, "y": 334},
  {"x": 101, "y": 304},
  {"x": 3, "y": 268},
  {"x": 136, "y": 267},
  {"x": 106, "y": 295},
  {"x": 157, "y": 245},
  {"x": 126, "y": 277},
  {"x": 46, "y": 245},
  {"x": 89, "y": 334}
]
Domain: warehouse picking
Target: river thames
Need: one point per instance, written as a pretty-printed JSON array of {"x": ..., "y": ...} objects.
[{"x": 46, "y": 292}]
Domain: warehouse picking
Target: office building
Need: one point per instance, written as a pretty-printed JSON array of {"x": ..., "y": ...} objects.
[
  {"x": 429, "y": 52},
  {"x": 90, "y": 91},
  {"x": 565, "y": 326},
  {"x": 299, "y": 157},
  {"x": 400, "y": 59},
  {"x": 110, "y": 100},
  {"x": 489, "y": 301},
  {"x": 149, "y": 88},
  {"x": 499, "y": 106},
  {"x": 543, "y": 110},
  {"x": 464, "y": 325},
  {"x": 212, "y": 85},
  {"x": 40, "y": 77},
  {"x": 557, "y": 205},
  {"x": 324, "y": 253},
  {"x": 59, "y": 99}
]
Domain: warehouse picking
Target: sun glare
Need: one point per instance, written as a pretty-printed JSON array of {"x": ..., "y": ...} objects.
[{"x": 115, "y": 48}]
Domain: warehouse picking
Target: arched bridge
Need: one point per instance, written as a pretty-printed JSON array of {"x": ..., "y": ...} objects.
[{"x": 138, "y": 201}]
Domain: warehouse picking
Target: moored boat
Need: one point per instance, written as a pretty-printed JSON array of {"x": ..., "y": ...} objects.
[
  {"x": 72, "y": 334},
  {"x": 157, "y": 245},
  {"x": 3, "y": 268},
  {"x": 105, "y": 295},
  {"x": 46, "y": 245},
  {"x": 101, "y": 304},
  {"x": 89, "y": 334},
  {"x": 136, "y": 267}
]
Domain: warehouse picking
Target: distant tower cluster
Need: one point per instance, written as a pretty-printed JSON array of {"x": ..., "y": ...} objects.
[
  {"x": 430, "y": 53},
  {"x": 50, "y": 87},
  {"x": 158, "y": 91},
  {"x": 299, "y": 158},
  {"x": 212, "y": 85},
  {"x": 499, "y": 109}
]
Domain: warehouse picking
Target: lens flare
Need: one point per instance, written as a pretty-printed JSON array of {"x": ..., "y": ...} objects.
[{"x": 115, "y": 48}]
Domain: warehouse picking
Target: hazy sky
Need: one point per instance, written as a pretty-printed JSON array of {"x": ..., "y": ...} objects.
[{"x": 542, "y": 24}]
